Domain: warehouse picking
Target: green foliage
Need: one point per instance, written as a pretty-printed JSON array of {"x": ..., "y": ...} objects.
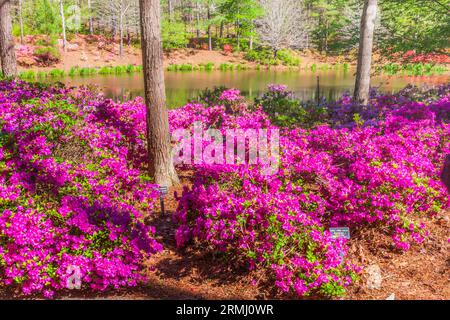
[
  {"x": 333, "y": 25},
  {"x": 285, "y": 110},
  {"x": 412, "y": 69},
  {"x": 211, "y": 96},
  {"x": 174, "y": 35},
  {"x": 233, "y": 42},
  {"x": 419, "y": 25},
  {"x": 206, "y": 66},
  {"x": 242, "y": 13},
  {"x": 76, "y": 71},
  {"x": 287, "y": 58},
  {"x": 266, "y": 57},
  {"x": 47, "y": 55},
  {"x": 27, "y": 75},
  {"x": 85, "y": 71},
  {"x": 73, "y": 71},
  {"x": 209, "y": 66},
  {"x": 43, "y": 17},
  {"x": 226, "y": 66},
  {"x": 56, "y": 73},
  {"x": 333, "y": 31}
]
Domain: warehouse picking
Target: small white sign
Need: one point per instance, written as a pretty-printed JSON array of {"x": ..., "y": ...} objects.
[{"x": 340, "y": 232}]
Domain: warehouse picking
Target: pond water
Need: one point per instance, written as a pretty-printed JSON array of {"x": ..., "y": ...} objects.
[{"x": 184, "y": 86}]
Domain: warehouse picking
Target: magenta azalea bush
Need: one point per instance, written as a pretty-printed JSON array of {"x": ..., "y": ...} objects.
[
  {"x": 382, "y": 171},
  {"x": 74, "y": 190}
]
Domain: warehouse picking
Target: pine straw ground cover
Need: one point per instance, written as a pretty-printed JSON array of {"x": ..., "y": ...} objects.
[{"x": 74, "y": 191}]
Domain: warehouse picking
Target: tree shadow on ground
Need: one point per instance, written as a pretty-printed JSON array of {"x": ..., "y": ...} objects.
[{"x": 196, "y": 260}]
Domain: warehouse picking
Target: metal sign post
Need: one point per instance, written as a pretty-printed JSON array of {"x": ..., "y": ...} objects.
[
  {"x": 340, "y": 232},
  {"x": 163, "y": 190}
]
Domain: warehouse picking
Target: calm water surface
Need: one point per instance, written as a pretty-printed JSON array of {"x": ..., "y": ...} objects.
[{"x": 183, "y": 86}]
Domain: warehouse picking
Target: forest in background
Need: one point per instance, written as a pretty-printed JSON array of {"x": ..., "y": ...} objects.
[{"x": 329, "y": 26}]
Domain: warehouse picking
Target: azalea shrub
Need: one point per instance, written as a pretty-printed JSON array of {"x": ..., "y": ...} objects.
[
  {"x": 73, "y": 192},
  {"x": 367, "y": 168}
]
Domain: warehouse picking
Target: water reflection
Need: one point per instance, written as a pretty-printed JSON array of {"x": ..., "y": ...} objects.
[{"x": 183, "y": 86}]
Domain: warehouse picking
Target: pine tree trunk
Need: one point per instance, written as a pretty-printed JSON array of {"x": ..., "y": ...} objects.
[
  {"x": 362, "y": 83},
  {"x": 7, "y": 51},
  {"x": 63, "y": 22},
  {"x": 209, "y": 30},
  {"x": 159, "y": 154}
]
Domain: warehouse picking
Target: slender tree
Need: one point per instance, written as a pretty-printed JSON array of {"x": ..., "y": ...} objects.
[
  {"x": 170, "y": 9},
  {"x": 123, "y": 8},
  {"x": 7, "y": 52},
  {"x": 91, "y": 19},
  {"x": 159, "y": 154},
  {"x": 209, "y": 26},
  {"x": 63, "y": 23},
  {"x": 21, "y": 21},
  {"x": 118, "y": 15},
  {"x": 362, "y": 83},
  {"x": 240, "y": 13}
]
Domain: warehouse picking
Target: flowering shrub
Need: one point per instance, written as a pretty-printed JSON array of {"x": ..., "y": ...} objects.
[
  {"x": 73, "y": 188},
  {"x": 25, "y": 55},
  {"x": 385, "y": 173},
  {"x": 72, "y": 195},
  {"x": 412, "y": 56}
]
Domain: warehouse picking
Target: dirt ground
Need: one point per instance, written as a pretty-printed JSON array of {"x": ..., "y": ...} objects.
[{"x": 83, "y": 53}]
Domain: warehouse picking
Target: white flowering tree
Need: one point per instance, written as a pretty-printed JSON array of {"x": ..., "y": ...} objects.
[
  {"x": 118, "y": 15},
  {"x": 283, "y": 24}
]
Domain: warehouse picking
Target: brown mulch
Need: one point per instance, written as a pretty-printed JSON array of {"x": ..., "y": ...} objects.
[{"x": 423, "y": 272}]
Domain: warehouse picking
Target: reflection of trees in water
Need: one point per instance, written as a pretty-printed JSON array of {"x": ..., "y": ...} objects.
[{"x": 183, "y": 87}]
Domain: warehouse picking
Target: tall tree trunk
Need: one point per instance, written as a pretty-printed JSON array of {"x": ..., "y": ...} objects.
[
  {"x": 251, "y": 43},
  {"x": 198, "y": 22},
  {"x": 63, "y": 22},
  {"x": 170, "y": 9},
  {"x": 209, "y": 29},
  {"x": 121, "y": 28},
  {"x": 128, "y": 36},
  {"x": 159, "y": 154},
  {"x": 362, "y": 83},
  {"x": 112, "y": 23},
  {"x": 238, "y": 36},
  {"x": 221, "y": 30},
  {"x": 91, "y": 22},
  {"x": 7, "y": 51},
  {"x": 21, "y": 22}
]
